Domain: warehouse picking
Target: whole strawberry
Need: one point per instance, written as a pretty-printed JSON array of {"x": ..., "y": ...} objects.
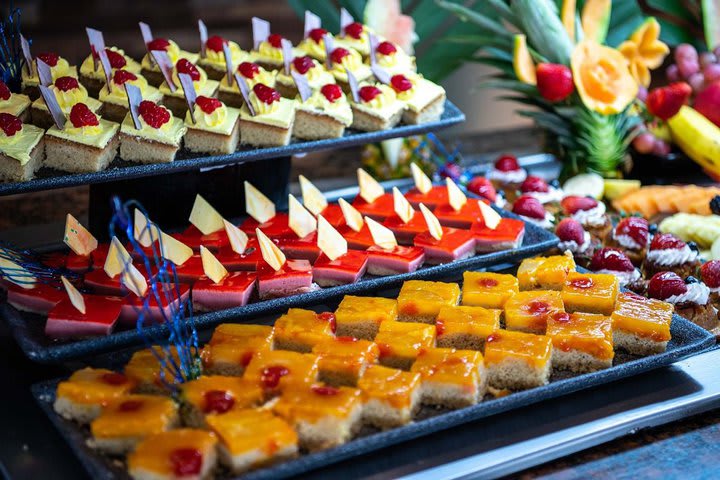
[
  {"x": 529, "y": 207},
  {"x": 665, "y": 102},
  {"x": 664, "y": 285},
  {"x": 570, "y": 230},
  {"x": 710, "y": 273},
  {"x": 554, "y": 81},
  {"x": 482, "y": 187}
]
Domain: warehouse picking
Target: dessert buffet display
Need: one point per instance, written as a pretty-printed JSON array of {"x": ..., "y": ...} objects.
[{"x": 372, "y": 372}]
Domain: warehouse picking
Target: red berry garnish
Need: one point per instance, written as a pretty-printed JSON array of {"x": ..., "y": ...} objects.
[
  {"x": 582, "y": 282},
  {"x": 439, "y": 328},
  {"x": 507, "y": 163},
  {"x": 208, "y": 104},
  {"x": 248, "y": 69},
  {"x": 116, "y": 60},
  {"x": 330, "y": 318},
  {"x": 570, "y": 230},
  {"x": 153, "y": 114},
  {"x": 635, "y": 228},
  {"x": 493, "y": 337},
  {"x": 528, "y": 206},
  {"x": 245, "y": 359},
  {"x": 10, "y": 124},
  {"x": 331, "y": 92},
  {"x": 50, "y": 58},
  {"x": 122, "y": 76},
  {"x": 4, "y": 91},
  {"x": 346, "y": 339},
  {"x": 611, "y": 259},
  {"x": 664, "y": 285},
  {"x": 266, "y": 94},
  {"x": 665, "y": 102},
  {"x": 275, "y": 40},
  {"x": 82, "y": 116},
  {"x": 215, "y": 43},
  {"x": 483, "y": 187},
  {"x": 114, "y": 378},
  {"x": 338, "y": 54},
  {"x": 185, "y": 66},
  {"x": 317, "y": 34},
  {"x": 710, "y": 272},
  {"x": 575, "y": 203},
  {"x": 538, "y": 307},
  {"x": 666, "y": 241},
  {"x": 325, "y": 390},
  {"x": 270, "y": 377},
  {"x": 303, "y": 64},
  {"x": 65, "y": 84},
  {"x": 218, "y": 401},
  {"x": 354, "y": 30},
  {"x": 386, "y": 48},
  {"x": 401, "y": 83},
  {"x": 130, "y": 405},
  {"x": 562, "y": 317},
  {"x": 554, "y": 81},
  {"x": 369, "y": 92},
  {"x": 534, "y": 184},
  {"x": 186, "y": 461},
  {"x": 158, "y": 44},
  {"x": 487, "y": 282}
]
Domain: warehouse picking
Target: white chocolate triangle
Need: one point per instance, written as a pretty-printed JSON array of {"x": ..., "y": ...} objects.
[
  {"x": 174, "y": 250},
  {"x": 403, "y": 209},
  {"x": 490, "y": 216},
  {"x": 205, "y": 217},
  {"x": 212, "y": 266},
  {"x": 144, "y": 231},
  {"x": 456, "y": 197},
  {"x": 329, "y": 240},
  {"x": 422, "y": 181},
  {"x": 78, "y": 238},
  {"x": 119, "y": 262},
  {"x": 76, "y": 297},
  {"x": 257, "y": 205},
  {"x": 370, "y": 189},
  {"x": 272, "y": 255},
  {"x": 353, "y": 218},
  {"x": 382, "y": 236},
  {"x": 432, "y": 222},
  {"x": 16, "y": 274},
  {"x": 300, "y": 220},
  {"x": 313, "y": 199},
  {"x": 238, "y": 238}
]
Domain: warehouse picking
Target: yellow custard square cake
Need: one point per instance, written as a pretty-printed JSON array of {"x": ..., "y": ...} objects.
[
  {"x": 68, "y": 91},
  {"x": 158, "y": 139},
  {"x": 361, "y": 317},
  {"x": 377, "y": 108},
  {"x": 175, "y": 100},
  {"x": 391, "y": 396},
  {"x": 22, "y": 149},
  {"x": 451, "y": 378},
  {"x": 421, "y": 300},
  {"x": 325, "y": 114},
  {"x": 114, "y": 98},
  {"x": 465, "y": 327}
]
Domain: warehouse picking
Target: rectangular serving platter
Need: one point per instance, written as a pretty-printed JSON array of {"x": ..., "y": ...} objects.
[
  {"x": 48, "y": 179},
  {"x": 687, "y": 340}
]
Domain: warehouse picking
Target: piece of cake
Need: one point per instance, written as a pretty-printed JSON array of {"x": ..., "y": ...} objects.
[
  {"x": 314, "y": 43},
  {"x": 464, "y": 217},
  {"x": 158, "y": 139},
  {"x": 150, "y": 68},
  {"x": 216, "y": 129},
  {"x": 348, "y": 268},
  {"x": 216, "y": 394},
  {"x": 406, "y": 231},
  {"x": 175, "y": 100},
  {"x": 377, "y": 108},
  {"x": 15, "y": 104},
  {"x": 434, "y": 196},
  {"x": 424, "y": 100},
  {"x": 232, "y": 346},
  {"x": 40, "y": 298},
  {"x": 400, "y": 342},
  {"x": 582, "y": 342},
  {"x": 453, "y": 244},
  {"x": 323, "y": 416},
  {"x": 641, "y": 325},
  {"x": 190, "y": 271},
  {"x": 590, "y": 293},
  {"x": 517, "y": 360},
  {"x": 154, "y": 310},
  {"x": 361, "y": 317},
  {"x": 232, "y": 291},
  {"x": 421, "y": 300},
  {"x": 507, "y": 235},
  {"x": 391, "y": 396},
  {"x": 214, "y": 63},
  {"x": 272, "y": 123},
  {"x": 278, "y": 370},
  {"x": 393, "y": 59},
  {"x": 300, "y": 330},
  {"x": 394, "y": 260},
  {"x": 59, "y": 67},
  {"x": 115, "y": 101},
  {"x": 530, "y": 311},
  {"x": 184, "y": 453},
  {"x": 229, "y": 91},
  {"x": 82, "y": 396},
  {"x": 87, "y": 143},
  {"x": 343, "y": 360},
  {"x": 194, "y": 238},
  {"x": 101, "y": 314},
  {"x": 269, "y": 54},
  {"x": 276, "y": 227},
  {"x": 99, "y": 282},
  {"x": 346, "y": 60},
  {"x": 547, "y": 273},
  {"x": 487, "y": 289},
  {"x": 465, "y": 328},
  {"x": 451, "y": 378},
  {"x": 92, "y": 74},
  {"x": 22, "y": 149},
  {"x": 253, "y": 438},
  {"x": 325, "y": 114},
  {"x": 68, "y": 92},
  {"x": 144, "y": 368},
  {"x": 313, "y": 71},
  {"x": 127, "y": 420}
]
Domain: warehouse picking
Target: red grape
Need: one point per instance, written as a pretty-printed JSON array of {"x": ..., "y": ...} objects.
[
  {"x": 644, "y": 143},
  {"x": 711, "y": 72},
  {"x": 696, "y": 81},
  {"x": 685, "y": 51},
  {"x": 688, "y": 67},
  {"x": 707, "y": 58},
  {"x": 672, "y": 73}
]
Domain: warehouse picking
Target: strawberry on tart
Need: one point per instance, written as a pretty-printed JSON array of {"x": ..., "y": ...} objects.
[
  {"x": 575, "y": 239},
  {"x": 530, "y": 209},
  {"x": 548, "y": 195},
  {"x": 669, "y": 253},
  {"x": 614, "y": 261},
  {"x": 632, "y": 235},
  {"x": 507, "y": 175},
  {"x": 690, "y": 297},
  {"x": 590, "y": 213}
]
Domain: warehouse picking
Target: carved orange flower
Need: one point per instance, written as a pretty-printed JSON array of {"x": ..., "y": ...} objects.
[{"x": 644, "y": 51}]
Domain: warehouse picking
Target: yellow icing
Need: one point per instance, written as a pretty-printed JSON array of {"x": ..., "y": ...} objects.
[
  {"x": 87, "y": 67},
  {"x": 217, "y": 59},
  {"x": 280, "y": 114},
  {"x": 118, "y": 96},
  {"x": 352, "y": 62},
  {"x": 362, "y": 44},
  {"x": 398, "y": 62},
  {"x": 173, "y": 52},
  {"x": 170, "y": 133},
  {"x": 316, "y": 76},
  {"x": 61, "y": 69},
  {"x": 339, "y": 109},
  {"x": 97, "y": 136},
  {"x": 269, "y": 54},
  {"x": 384, "y": 105},
  {"x": 20, "y": 145},
  {"x": 15, "y": 105},
  {"x": 263, "y": 76},
  {"x": 315, "y": 50},
  {"x": 202, "y": 87},
  {"x": 221, "y": 121},
  {"x": 66, "y": 101},
  {"x": 422, "y": 94}
]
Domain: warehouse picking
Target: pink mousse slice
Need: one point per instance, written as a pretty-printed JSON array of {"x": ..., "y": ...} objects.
[
  {"x": 391, "y": 261},
  {"x": 405, "y": 232},
  {"x": 81, "y": 263},
  {"x": 436, "y": 196},
  {"x": 348, "y": 268},
  {"x": 468, "y": 214},
  {"x": 233, "y": 291},
  {"x": 188, "y": 272},
  {"x": 40, "y": 299},
  {"x": 301, "y": 248},
  {"x": 455, "y": 244},
  {"x": 357, "y": 240},
  {"x": 334, "y": 215},
  {"x": 171, "y": 297},
  {"x": 379, "y": 210},
  {"x": 276, "y": 227},
  {"x": 508, "y": 235},
  {"x": 247, "y": 261},
  {"x": 293, "y": 278},
  {"x": 101, "y": 315},
  {"x": 193, "y": 238},
  {"x": 100, "y": 283}
]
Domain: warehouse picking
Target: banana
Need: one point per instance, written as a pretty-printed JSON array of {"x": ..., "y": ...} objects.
[{"x": 697, "y": 136}]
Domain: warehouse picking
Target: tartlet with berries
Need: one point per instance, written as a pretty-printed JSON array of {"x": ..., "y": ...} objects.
[
  {"x": 531, "y": 210},
  {"x": 669, "y": 253},
  {"x": 216, "y": 129},
  {"x": 614, "y": 261},
  {"x": 547, "y": 194},
  {"x": 576, "y": 240},
  {"x": 22, "y": 149},
  {"x": 325, "y": 114},
  {"x": 690, "y": 296},
  {"x": 157, "y": 140},
  {"x": 632, "y": 236},
  {"x": 590, "y": 213}
]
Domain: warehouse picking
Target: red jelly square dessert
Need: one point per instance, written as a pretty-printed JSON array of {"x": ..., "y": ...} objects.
[
  {"x": 357, "y": 240},
  {"x": 464, "y": 218},
  {"x": 100, "y": 283},
  {"x": 82, "y": 263},
  {"x": 101, "y": 315},
  {"x": 171, "y": 297},
  {"x": 276, "y": 227},
  {"x": 39, "y": 299},
  {"x": 334, "y": 215},
  {"x": 508, "y": 235},
  {"x": 193, "y": 238},
  {"x": 233, "y": 291},
  {"x": 190, "y": 271},
  {"x": 436, "y": 196},
  {"x": 405, "y": 232},
  {"x": 379, "y": 210},
  {"x": 455, "y": 244},
  {"x": 246, "y": 261},
  {"x": 348, "y": 268},
  {"x": 294, "y": 277},
  {"x": 301, "y": 248},
  {"x": 391, "y": 261}
]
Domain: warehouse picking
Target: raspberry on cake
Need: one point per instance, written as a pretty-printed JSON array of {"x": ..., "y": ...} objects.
[
  {"x": 421, "y": 300},
  {"x": 127, "y": 420},
  {"x": 92, "y": 75},
  {"x": 517, "y": 360},
  {"x": 443, "y": 244},
  {"x": 300, "y": 330},
  {"x": 216, "y": 394},
  {"x": 59, "y": 67},
  {"x": 531, "y": 210},
  {"x": 323, "y": 416},
  {"x": 391, "y": 396},
  {"x": 346, "y": 61},
  {"x": 271, "y": 121},
  {"x": 216, "y": 129},
  {"x": 451, "y": 378},
  {"x": 232, "y": 346},
  {"x": 545, "y": 272},
  {"x": 83, "y": 396},
  {"x": 229, "y": 92},
  {"x": 150, "y": 68},
  {"x": 157, "y": 140},
  {"x": 590, "y": 293},
  {"x": 487, "y": 289},
  {"x": 690, "y": 297},
  {"x": 361, "y": 317},
  {"x": 68, "y": 92},
  {"x": 641, "y": 325},
  {"x": 184, "y": 453},
  {"x": 15, "y": 104},
  {"x": 582, "y": 342},
  {"x": 336, "y": 265},
  {"x": 343, "y": 360},
  {"x": 253, "y": 438},
  {"x": 325, "y": 114},
  {"x": 314, "y": 72},
  {"x": 213, "y": 61},
  {"x": 424, "y": 100},
  {"x": 115, "y": 101},
  {"x": 377, "y": 108},
  {"x": 530, "y": 311},
  {"x": 175, "y": 100},
  {"x": 278, "y": 370},
  {"x": 465, "y": 328},
  {"x": 400, "y": 342},
  {"x": 22, "y": 149},
  {"x": 394, "y": 59}
]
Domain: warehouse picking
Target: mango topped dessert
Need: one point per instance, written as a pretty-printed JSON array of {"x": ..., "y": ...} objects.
[
  {"x": 361, "y": 317},
  {"x": 175, "y": 100},
  {"x": 487, "y": 289},
  {"x": 641, "y": 325},
  {"x": 343, "y": 360},
  {"x": 115, "y": 101},
  {"x": 229, "y": 91},
  {"x": 325, "y": 114},
  {"x": 214, "y": 59},
  {"x": 391, "y": 396},
  {"x": 530, "y": 311},
  {"x": 182, "y": 453},
  {"x": 300, "y": 330},
  {"x": 517, "y": 360},
  {"x": 92, "y": 74},
  {"x": 217, "y": 394},
  {"x": 15, "y": 104},
  {"x": 22, "y": 148},
  {"x": 276, "y": 370},
  {"x": 232, "y": 346},
  {"x": 68, "y": 92},
  {"x": 215, "y": 129},
  {"x": 582, "y": 342},
  {"x": 545, "y": 272},
  {"x": 451, "y": 378},
  {"x": 421, "y": 300},
  {"x": 82, "y": 396},
  {"x": 144, "y": 369},
  {"x": 591, "y": 293},
  {"x": 466, "y": 327},
  {"x": 400, "y": 342}
]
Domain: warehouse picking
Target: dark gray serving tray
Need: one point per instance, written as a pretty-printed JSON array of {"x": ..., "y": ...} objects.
[{"x": 121, "y": 170}]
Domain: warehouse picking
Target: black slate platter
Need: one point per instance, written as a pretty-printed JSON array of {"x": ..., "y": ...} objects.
[{"x": 121, "y": 170}]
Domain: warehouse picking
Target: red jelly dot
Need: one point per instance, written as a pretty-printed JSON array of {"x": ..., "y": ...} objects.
[
  {"x": 114, "y": 378},
  {"x": 266, "y": 94},
  {"x": 115, "y": 59},
  {"x": 122, "y": 76},
  {"x": 10, "y": 124},
  {"x": 215, "y": 43},
  {"x": 338, "y": 54},
  {"x": 347, "y": 339},
  {"x": 245, "y": 359},
  {"x": 270, "y": 377},
  {"x": 487, "y": 282},
  {"x": 386, "y": 48},
  {"x": 185, "y": 66},
  {"x": 385, "y": 350},
  {"x": 439, "y": 327},
  {"x": 325, "y": 390},
  {"x": 186, "y": 461},
  {"x": 369, "y": 92},
  {"x": 130, "y": 405},
  {"x": 317, "y": 34},
  {"x": 158, "y": 44},
  {"x": 584, "y": 282},
  {"x": 50, "y": 58},
  {"x": 275, "y": 40},
  {"x": 538, "y": 307},
  {"x": 331, "y": 92},
  {"x": 410, "y": 309},
  {"x": 248, "y": 69},
  {"x": 4, "y": 91},
  {"x": 561, "y": 317},
  {"x": 82, "y": 116},
  {"x": 330, "y": 318},
  {"x": 208, "y": 104},
  {"x": 354, "y": 30},
  {"x": 493, "y": 337},
  {"x": 401, "y": 83},
  {"x": 218, "y": 401},
  {"x": 303, "y": 64}
]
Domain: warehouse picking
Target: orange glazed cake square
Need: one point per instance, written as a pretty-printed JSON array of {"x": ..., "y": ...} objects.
[
  {"x": 343, "y": 360},
  {"x": 299, "y": 330},
  {"x": 487, "y": 289},
  {"x": 400, "y": 342},
  {"x": 216, "y": 394},
  {"x": 529, "y": 311},
  {"x": 82, "y": 396},
  {"x": 323, "y": 416},
  {"x": 517, "y": 360},
  {"x": 582, "y": 342},
  {"x": 391, "y": 396},
  {"x": 276, "y": 370},
  {"x": 548, "y": 273},
  {"x": 232, "y": 346},
  {"x": 451, "y": 378},
  {"x": 252, "y": 438},
  {"x": 641, "y": 325},
  {"x": 178, "y": 454},
  {"x": 144, "y": 369},
  {"x": 360, "y": 317},
  {"x": 590, "y": 292},
  {"x": 464, "y": 327},
  {"x": 421, "y": 300}
]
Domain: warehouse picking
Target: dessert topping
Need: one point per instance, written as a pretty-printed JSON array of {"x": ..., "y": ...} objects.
[
  {"x": 329, "y": 317},
  {"x": 611, "y": 259},
  {"x": 529, "y": 207},
  {"x": 369, "y": 92},
  {"x": 582, "y": 282},
  {"x": 116, "y": 60},
  {"x": 270, "y": 377},
  {"x": 570, "y": 230},
  {"x": 303, "y": 64},
  {"x": 185, "y": 66},
  {"x": 482, "y": 187},
  {"x": 338, "y": 54},
  {"x": 534, "y": 184},
  {"x": 66, "y": 83},
  {"x": 710, "y": 272},
  {"x": 401, "y": 83},
  {"x": 354, "y": 30},
  {"x": 215, "y": 43},
  {"x": 153, "y": 114},
  {"x": 664, "y": 285},
  {"x": 538, "y": 307},
  {"x": 507, "y": 163},
  {"x": 275, "y": 40},
  {"x": 82, "y": 116},
  {"x": 635, "y": 229},
  {"x": 130, "y": 405},
  {"x": 10, "y": 124},
  {"x": 331, "y": 92},
  {"x": 325, "y": 390},
  {"x": 248, "y": 69},
  {"x": 50, "y": 58},
  {"x": 114, "y": 378},
  {"x": 386, "y": 48},
  {"x": 575, "y": 203},
  {"x": 4, "y": 91},
  {"x": 562, "y": 317},
  {"x": 218, "y": 401},
  {"x": 208, "y": 104},
  {"x": 266, "y": 94},
  {"x": 186, "y": 461},
  {"x": 422, "y": 181},
  {"x": 317, "y": 34},
  {"x": 158, "y": 44},
  {"x": 347, "y": 339},
  {"x": 122, "y": 76},
  {"x": 666, "y": 241}
]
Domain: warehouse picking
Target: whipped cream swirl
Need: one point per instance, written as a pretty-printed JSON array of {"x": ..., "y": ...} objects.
[
  {"x": 512, "y": 176},
  {"x": 594, "y": 217},
  {"x": 574, "y": 247},
  {"x": 552, "y": 195},
  {"x": 669, "y": 257},
  {"x": 546, "y": 222},
  {"x": 627, "y": 241},
  {"x": 624, "y": 278},
  {"x": 697, "y": 293}
]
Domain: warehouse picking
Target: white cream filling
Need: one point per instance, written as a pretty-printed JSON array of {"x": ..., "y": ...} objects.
[
  {"x": 513, "y": 176},
  {"x": 594, "y": 217},
  {"x": 546, "y": 222},
  {"x": 697, "y": 293},
  {"x": 625, "y": 278},
  {"x": 573, "y": 246},
  {"x": 627, "y": 241},
  {"x": 552, "y": 195},
  {"x": 672, "y": 256}
]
